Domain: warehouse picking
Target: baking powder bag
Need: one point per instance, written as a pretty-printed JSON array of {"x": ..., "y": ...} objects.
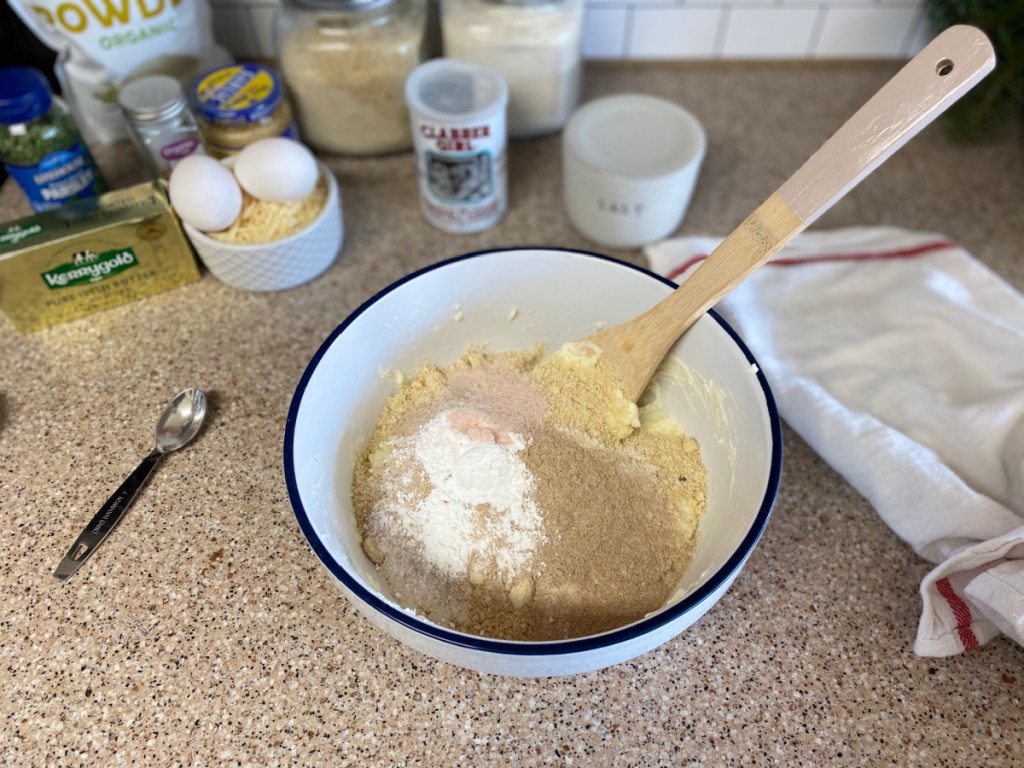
[{"x": 103, "y": 44}]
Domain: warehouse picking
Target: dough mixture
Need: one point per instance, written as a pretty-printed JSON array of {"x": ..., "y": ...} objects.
[{"x": 522, "y": 496}]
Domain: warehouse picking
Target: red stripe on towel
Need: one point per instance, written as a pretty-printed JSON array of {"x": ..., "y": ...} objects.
[
  {"x": 961, "y": 612},
  {"x": 904, "y": 253}
]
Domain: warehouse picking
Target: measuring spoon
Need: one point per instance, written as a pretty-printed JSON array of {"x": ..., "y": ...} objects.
[{"x": 179, "y": 423}]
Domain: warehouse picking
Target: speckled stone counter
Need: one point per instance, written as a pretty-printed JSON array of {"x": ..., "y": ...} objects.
[{"x": 205, "y": 632}]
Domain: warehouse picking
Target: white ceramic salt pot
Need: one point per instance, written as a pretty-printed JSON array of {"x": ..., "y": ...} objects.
[{"x": 630, "y": 164}]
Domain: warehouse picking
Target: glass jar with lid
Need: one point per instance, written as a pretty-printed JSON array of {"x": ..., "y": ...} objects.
[
  {"x": 40, "y": 145},
  {"x": 535, "y": 44},
  {"x": 162, "y": 125},
  {"x": 345, "y": 63},
  {"x": 240, "y": 104}
]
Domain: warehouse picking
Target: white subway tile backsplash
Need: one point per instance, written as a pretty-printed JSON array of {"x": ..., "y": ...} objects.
[
  {"x": 675, "y": 33},
  {"x": 604, "y": 33},
  {"x": 866, "y": 32},
  {"x": 682, "y": 29},
  {"x": 769, "y": 33},
  {"x": 920, "y": 37}
]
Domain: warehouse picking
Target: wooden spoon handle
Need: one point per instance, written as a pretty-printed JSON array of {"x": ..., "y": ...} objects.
[{"x": 940, "y": 74}]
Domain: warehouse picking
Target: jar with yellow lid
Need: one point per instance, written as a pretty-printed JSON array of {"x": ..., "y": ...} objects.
[
  {"x": 345, "y": 63},
  {"x": 240, "y": 104}
]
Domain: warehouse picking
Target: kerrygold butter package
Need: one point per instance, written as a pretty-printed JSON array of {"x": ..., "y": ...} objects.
[{"x": 77, "y": 260}]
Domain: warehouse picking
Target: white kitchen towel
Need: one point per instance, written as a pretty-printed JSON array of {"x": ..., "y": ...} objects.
[{"x": 899, "y": 358}]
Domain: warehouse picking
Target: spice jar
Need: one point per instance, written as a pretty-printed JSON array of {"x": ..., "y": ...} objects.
[
  {"x": 240, "y": 104},
  {"x": 345, "y": 63},
  {"x": 162, "y": 125},
  {"x": 534, "y": 44},
  {"x": 40, "y": 145}
]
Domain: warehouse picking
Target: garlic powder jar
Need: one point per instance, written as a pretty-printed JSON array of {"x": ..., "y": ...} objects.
[{"x": 534, "y": 44}]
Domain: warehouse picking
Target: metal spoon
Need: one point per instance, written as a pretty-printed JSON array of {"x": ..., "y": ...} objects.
[{"x": 177, "y": 426}]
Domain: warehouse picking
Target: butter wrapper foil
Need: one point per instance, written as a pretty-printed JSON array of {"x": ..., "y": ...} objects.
[{"x": 72, "y": 262}]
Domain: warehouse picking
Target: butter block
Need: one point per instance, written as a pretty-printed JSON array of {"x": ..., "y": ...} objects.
[{"x": 80, "y": 259}]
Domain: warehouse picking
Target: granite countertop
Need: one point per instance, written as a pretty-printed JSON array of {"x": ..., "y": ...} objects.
[{"x": 205, "y": 632}]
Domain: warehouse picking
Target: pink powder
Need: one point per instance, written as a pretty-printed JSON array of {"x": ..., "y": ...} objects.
[
  {"x": 477, "y": 427},
  {"x": 493, "y": 397}
]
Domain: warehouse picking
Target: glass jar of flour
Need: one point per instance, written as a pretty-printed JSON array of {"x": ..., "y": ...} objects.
[
  {"x": 345, "y": 63},
  {"x": 534, "y": 44}
]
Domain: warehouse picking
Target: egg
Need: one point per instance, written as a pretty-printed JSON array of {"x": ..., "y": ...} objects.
[
  {"x": 278, "y": 170},
  {"x": 204, "y": 193}
]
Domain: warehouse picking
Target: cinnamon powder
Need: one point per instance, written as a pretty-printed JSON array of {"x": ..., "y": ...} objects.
[{"x": 619, "y": 513}]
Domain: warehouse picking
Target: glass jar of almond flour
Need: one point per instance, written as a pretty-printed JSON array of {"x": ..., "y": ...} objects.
[
  {"x": 536, "y": 45},
  {"x": 345, "y": 63}
]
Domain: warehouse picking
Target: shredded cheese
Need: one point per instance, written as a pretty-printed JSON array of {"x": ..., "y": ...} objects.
[{"x": 262, "y": 221}]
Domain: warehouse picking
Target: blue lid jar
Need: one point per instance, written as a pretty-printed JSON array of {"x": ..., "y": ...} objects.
[
  {"x": 24, "y": 95},
  {"x": 239, "y": 94},
  {"x": 239, "y": 104},
  {"x": 40, "y": 146}
]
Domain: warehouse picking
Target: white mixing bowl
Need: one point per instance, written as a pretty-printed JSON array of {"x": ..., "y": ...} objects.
[{"x": 508, "y": 300}]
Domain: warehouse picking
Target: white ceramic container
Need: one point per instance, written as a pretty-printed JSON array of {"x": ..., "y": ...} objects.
[
  {"x": 280, "y": 264},
  {"x": 630, "y": 163},
  {"x": 557, "y": 296}
]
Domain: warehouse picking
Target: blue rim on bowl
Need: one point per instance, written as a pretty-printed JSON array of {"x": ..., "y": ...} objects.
[{"x": 547, "y": 647}]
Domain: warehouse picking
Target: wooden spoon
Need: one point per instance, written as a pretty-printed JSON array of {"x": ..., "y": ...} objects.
[{"x": 940, "y": 74}]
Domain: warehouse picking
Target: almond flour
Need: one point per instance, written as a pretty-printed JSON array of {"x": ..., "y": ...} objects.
[{"x": 515, "y": 496}]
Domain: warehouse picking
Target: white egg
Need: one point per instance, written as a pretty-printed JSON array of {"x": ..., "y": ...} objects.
[
  {"x": 204, "y": 193},
  {"x": 278, "y": 170}
]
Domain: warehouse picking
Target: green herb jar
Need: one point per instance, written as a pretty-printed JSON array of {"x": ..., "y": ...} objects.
[{"x": 40, "y": 145}]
